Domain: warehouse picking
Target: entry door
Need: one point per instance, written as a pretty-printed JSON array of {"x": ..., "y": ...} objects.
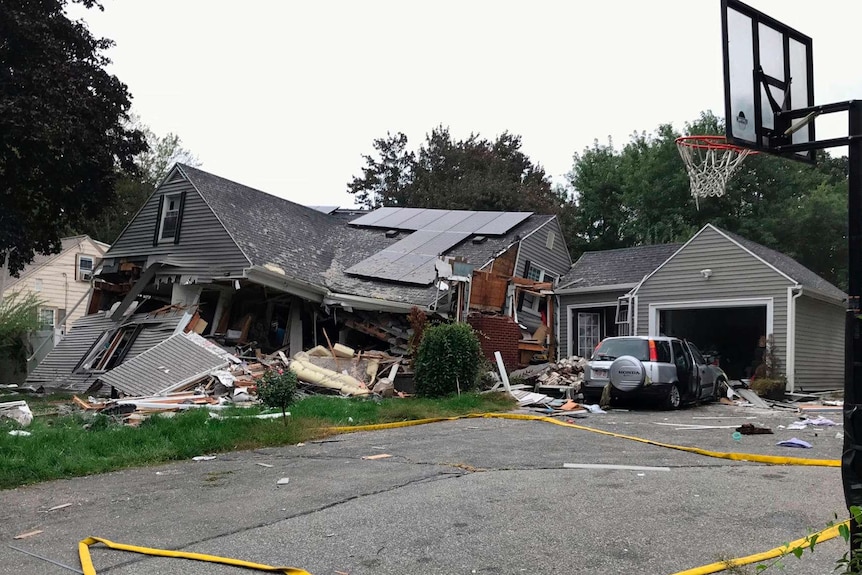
[{"x": 589, "y": 333}]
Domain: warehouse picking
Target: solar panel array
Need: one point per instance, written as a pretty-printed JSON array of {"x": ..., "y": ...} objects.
[{"x": 411, "y": 260}]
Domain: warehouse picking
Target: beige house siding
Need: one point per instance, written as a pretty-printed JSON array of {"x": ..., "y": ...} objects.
[
  {"x": 736, "y": 275},
  {"x": 54, "y": 279},
  {"x": 819, "y": 346}
]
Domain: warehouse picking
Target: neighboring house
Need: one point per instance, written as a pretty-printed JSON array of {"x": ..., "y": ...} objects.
[
  {"x": 721, "y": 291},
  {"x": 62, "y": 281},
  {"x": 262, "y": 269}
]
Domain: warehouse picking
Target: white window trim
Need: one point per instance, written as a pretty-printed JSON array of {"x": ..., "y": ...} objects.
[
  {"x": 549, "y": 243},
  {"x": 79, "y": 272},
  {"x": 656, "y": 308},
  {"x": 570, "y": 323},
  {"x": 165, "y": 205}
]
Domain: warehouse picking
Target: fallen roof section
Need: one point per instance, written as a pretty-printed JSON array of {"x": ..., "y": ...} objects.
[{"x": 179, "y": 359}]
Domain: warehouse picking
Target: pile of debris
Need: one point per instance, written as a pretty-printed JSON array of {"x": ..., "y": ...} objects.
[
  {"x": 563, "y": 378},
  {"x": 232, "y": 380}
]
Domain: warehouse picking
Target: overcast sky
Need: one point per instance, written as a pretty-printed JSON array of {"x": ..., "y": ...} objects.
[{"x": 286, "y": 96}]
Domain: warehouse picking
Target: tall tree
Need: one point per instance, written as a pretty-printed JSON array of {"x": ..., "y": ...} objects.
[
  {"x": 63, "y": 130},
  {"x": 474, "y": 173},
  {"x": 133, "y": 189}
]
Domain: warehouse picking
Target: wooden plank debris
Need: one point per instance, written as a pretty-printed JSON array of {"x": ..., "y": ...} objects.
[
  {"x": 28, "y": 534},
  {"x": 375, "y": 457}
]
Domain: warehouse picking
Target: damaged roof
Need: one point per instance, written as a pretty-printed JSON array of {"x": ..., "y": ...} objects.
[
  {"x": 58, "y": 369},
  {"x": 624, "y": 266},
  {"x": 317, "y": 248}
]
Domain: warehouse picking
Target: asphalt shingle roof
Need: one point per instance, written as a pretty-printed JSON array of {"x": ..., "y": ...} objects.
[
  {"x": 315, "y": 247},
  {"x": 615, "y": 267}
]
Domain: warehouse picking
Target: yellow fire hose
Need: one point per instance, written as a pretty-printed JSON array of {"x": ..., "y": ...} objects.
[{"x": 87, "y": 563}]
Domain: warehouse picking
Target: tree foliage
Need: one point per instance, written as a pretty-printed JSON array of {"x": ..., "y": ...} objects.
[
  {"x": 640, "y": 194},
  {"x": 470, "y": 174},
  {"x": 63, "y": 127}
]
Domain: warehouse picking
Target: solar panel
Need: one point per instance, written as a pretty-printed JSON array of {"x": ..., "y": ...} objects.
[
  {"x": 475, "y": 222},
  {"x": 505, "y": 222},
  {"x": 424, "y": 220},
  {"x": 449, "y": 219},
  {"x": 411, "y": 260},
  {"x": 374, "y": 217}
]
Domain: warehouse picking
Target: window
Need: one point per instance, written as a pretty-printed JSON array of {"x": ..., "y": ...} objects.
[
  {"x": 85, "y": 268},
  {"x": 46, "y": 318},
  {"x": 550, "y": 243},
  {"x": 589, "y": 333},
  {"x": 532, "y": 302},
  {"x": 170, "y": 216}
]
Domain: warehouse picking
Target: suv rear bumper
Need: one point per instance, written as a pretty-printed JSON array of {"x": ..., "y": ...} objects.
[{"x": 654, "y": 390}]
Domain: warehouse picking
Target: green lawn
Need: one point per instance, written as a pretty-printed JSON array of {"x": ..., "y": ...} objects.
[{"x": 83, "y": 444}]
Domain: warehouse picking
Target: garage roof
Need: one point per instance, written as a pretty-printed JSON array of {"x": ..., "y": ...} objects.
[{"x": 625, "y": 266}]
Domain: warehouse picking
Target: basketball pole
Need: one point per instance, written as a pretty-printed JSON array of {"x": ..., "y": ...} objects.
[{"x": 851, "y": 458}]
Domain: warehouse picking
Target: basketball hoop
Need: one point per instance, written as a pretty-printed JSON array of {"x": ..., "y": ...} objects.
[{"x": 710, "y": 162}]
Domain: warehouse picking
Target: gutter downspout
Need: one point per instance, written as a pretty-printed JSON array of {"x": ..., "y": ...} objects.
[{"x": 791, "y": 335}]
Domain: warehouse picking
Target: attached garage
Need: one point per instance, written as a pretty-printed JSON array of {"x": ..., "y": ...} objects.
[{"x": 724, "y": 293}]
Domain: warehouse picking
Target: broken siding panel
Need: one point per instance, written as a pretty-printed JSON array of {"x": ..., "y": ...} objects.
[
  {"x": 204, "y": 246},
  {"x": 736, "y": 274},
  {"x": 579, "y": 300},
  {"x": 55, "y": 371},
  {"x": 819, "y": 345},
  {"x": 175, "y": 360}
]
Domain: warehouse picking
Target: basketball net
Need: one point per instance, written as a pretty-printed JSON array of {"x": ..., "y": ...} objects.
[{"x": 710, "y": 162}]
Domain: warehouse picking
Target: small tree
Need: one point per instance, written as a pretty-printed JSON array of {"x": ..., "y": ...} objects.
[
  {"x": 447, "y": 361},
  {"x": 277, "y": 389}
]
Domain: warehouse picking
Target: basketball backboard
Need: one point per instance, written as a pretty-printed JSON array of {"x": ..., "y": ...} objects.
[{"x": 768, "y": 67}]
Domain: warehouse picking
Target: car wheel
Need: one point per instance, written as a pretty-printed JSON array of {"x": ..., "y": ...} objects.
[
  {"x": 719, "y": 390},
  {"x": 673, "y": 399}
]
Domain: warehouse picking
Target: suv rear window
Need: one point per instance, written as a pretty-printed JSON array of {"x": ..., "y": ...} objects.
[{"x": 610, "y": 349}]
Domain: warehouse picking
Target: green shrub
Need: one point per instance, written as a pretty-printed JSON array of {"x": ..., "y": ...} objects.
[
  {"x": 277, "y": 389},
  {"x": 448, "y": 359}
]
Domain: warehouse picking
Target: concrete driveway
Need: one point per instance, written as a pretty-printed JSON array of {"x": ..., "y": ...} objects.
[{"x": 469, "y": 496}]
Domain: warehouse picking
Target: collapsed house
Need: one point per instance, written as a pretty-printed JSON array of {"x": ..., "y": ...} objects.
[{"x": 246, "y": 269}]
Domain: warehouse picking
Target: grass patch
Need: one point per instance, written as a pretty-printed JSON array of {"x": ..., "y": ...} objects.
[{"x": 84, "y": 444}]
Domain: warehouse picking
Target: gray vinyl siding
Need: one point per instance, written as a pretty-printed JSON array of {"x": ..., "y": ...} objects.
[
  {"x": 580, "y": 299},
  {"x": 205, "y": 247},
  {"x": 556, "y": 261},
  {"x": 533, "y": 249},
  {"x": 819, "y": 345},
  {"x": 55, "y": 371},
  {"x": 736, "y": 274}
]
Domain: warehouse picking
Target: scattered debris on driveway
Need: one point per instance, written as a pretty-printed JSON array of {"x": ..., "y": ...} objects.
[{"x": 794, "y": 442}]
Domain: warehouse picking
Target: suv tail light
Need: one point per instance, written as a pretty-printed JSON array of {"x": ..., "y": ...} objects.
[{"x": 653, "y": 354}]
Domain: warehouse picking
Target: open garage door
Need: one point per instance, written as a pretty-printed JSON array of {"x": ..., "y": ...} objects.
[{"x": 729, "y": 333}]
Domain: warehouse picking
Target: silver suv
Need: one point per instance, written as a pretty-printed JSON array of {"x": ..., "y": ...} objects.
[{"x": 665, "y": 368}]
